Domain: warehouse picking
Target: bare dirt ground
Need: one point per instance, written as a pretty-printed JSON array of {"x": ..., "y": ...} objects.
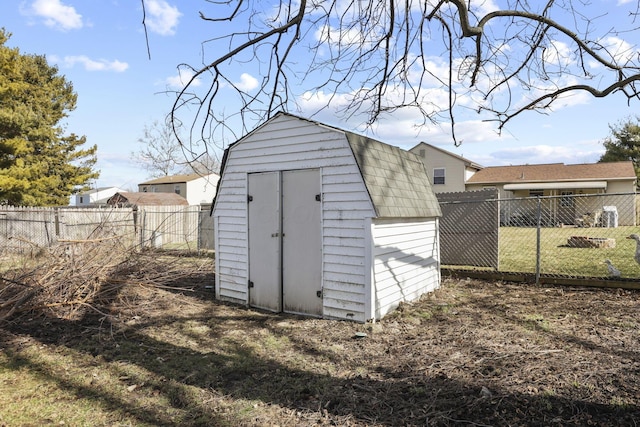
[{"x": 472, "y": 353}]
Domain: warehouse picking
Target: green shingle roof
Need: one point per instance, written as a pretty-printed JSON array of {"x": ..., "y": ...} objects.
[{"x": 396, "y": 180}]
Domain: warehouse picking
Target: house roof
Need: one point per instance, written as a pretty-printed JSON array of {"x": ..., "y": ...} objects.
[
  {"x": 554, "y": 172},
  {"x": 175, "y": 179},
  {"x": 466, "y": 161},
  {"x": 95, "y": 190},
  {"x": 148, "y": 199},
  {"x": 396, "y": 180}
]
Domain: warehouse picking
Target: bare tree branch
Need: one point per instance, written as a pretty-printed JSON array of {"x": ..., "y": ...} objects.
[
  {"x": 368, "y": 59},
  {"x": 144, "y": 25}
]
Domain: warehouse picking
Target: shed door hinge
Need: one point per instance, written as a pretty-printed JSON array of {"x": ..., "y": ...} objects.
[
  {"x": 318, "y": 197},
  {"x": 250, "y": 284},
  {"x": 319, "y": 294},
  {"x": 249, "y": 198}
]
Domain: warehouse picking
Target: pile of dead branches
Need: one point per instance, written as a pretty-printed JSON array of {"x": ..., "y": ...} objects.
[
  {"x": 76, "y": 277},
  {"x": 62, "y": 280}
]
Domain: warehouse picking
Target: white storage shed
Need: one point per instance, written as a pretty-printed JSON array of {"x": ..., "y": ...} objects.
[{"x": 318, "y": 221}]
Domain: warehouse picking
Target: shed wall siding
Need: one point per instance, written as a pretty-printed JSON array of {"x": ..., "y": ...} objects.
[
  {"x": 291, "y": 144},
  {"x": 406, "y": 261}
]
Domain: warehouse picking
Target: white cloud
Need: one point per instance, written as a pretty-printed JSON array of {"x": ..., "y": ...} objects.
[
  {"x": 91, "y": 64},
  {"x": 484, "y": 7},
  {"x": 247, "y": 82},
  {"x": 56, "y": 14},
  {"x": 567, "y": 99},
  {"x": 558, "y": 53},
  {"x": 311, "y": 102},
  {"x": 161, "y": 17},
  {"x": 619, "y": 50},
  {"x": 411, "y": 130},
  {"x": 181, "y": 79},
  {"x": 582, "y": 153},
  {"x": 404, "y": 127},
  {"x": 342, "y": 36}
]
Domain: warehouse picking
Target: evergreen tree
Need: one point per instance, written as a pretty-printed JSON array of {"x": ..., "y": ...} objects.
[
  {"x": 624, "y": 144},
  {"x": 39, "y": 165}
]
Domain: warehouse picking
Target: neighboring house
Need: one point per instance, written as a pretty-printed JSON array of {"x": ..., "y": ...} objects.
[
  {"x": 126, "y": 199},
  {"x": 448, "y": 172},
  {"x": 196, "y": 188},
  {"x": 558, "y": 179},
  {"x": 314, "y": 220},
  {"x": 96, "y": 196}
]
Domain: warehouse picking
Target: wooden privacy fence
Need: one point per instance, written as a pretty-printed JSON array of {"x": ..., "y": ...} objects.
[{"x": 181, "y": 227}]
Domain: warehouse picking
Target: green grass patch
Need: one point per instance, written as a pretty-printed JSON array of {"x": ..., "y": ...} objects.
[
  {"x": 537, "y": 322},
  {"x": 517, "y": 252}
]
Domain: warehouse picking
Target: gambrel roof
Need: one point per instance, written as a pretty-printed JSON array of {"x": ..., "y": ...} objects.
[{"x": 396, "y": 180}]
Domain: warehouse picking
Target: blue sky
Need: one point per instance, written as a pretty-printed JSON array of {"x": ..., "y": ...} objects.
[{"x": 100, "y": 46}]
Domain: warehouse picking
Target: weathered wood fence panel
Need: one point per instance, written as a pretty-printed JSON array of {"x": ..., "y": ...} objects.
[
  {"x": 31, "y": 228},
  {"x": 166, "y": 225},
  {"x": 469, "y": 228},
  {"x": 206, "y": 228},
  {"x": 25, "y": 228},
  {"x": 82, "y": 223}
]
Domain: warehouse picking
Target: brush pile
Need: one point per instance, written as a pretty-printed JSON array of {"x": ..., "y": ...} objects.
[
  {"x": 76, "y": 277},
  {"x": 62, "y": 281}
]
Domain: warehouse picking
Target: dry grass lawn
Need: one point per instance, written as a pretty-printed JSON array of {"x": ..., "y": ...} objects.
[{"x": 472, "y": 353}]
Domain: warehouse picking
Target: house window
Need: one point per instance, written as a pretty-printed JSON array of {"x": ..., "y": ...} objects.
[
  {"x": 536, "y": 193},
  {"x": 566, "y": 201},
  {"x": 438, "y": 176},
  {"x": 81, "y": 199},
  {"x": 176, "y": 189},
  {"x": 422, "y": 152}
]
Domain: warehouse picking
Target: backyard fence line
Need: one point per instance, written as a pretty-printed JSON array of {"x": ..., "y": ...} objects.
[
  {"x": 560, "y": 236},
  {"x": 174, "y": 227},
  {"x": 563, "y": 236}
]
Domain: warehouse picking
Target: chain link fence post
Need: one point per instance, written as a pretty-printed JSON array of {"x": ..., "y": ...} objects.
[{"x": 538, "y": 232}]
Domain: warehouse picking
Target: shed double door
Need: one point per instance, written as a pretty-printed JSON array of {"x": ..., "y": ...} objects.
[{"x": 285, "y": 245}]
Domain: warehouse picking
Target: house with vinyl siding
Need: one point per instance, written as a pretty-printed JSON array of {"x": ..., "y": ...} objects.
[
  {"x": 315, "y": 220},
  {"x": 96, "y": 196},
  {"x": 195, "y": 188},
  {"x": 449, "y": 172},
  {"x": 566, "y": 184}
]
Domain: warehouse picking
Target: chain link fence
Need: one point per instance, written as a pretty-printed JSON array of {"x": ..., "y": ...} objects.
[{"x": 578, "y": 236}]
